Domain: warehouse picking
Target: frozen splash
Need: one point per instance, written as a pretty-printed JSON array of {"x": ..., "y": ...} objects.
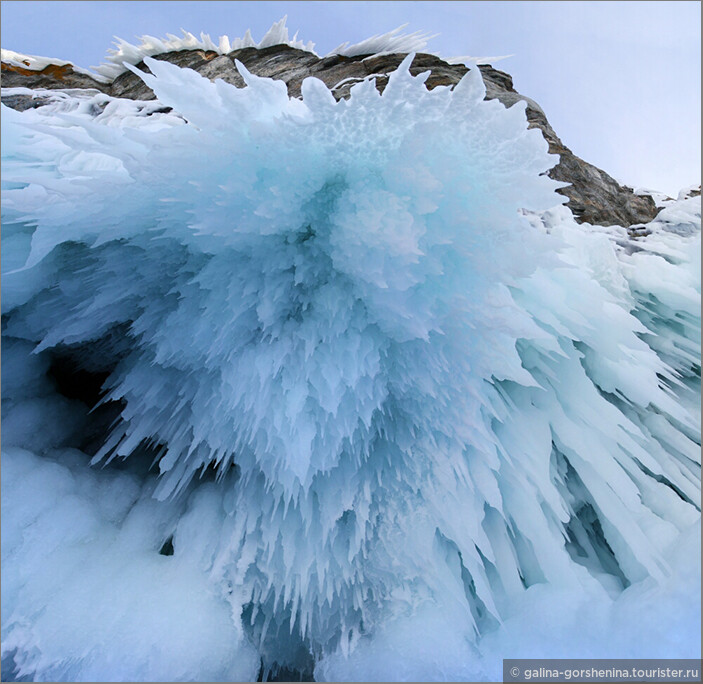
[
  {"x": 401, "y": 405},
  {"x": 125, "y": 53}
]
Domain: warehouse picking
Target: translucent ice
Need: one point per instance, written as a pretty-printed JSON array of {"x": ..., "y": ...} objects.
[{"x": 390, "y": 387}]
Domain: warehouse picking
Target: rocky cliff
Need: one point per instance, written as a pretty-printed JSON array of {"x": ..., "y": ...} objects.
[{"x": 594, "y": 196}]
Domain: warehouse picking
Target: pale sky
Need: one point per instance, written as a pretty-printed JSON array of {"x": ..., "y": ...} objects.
[{"x": 619, "y": 81}]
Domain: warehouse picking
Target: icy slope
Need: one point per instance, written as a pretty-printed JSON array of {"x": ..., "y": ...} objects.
[{"x": 389, "y": 385}]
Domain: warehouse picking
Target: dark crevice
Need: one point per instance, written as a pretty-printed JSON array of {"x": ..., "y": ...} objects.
[
  {"x": 586, "y": 541},
  {"x": 285, "y": 656},
  {"x": 278, "y": 673},
  {"x": 483, "y": 618},
  {"x": 10, "y": 670},
  {"x": 81, "y": 372},
  {"x": 74, "y": 382},
  {"x": 668, "y": 483},
  {"x": 167, "y": 548},
  {"x": 529, "y": 568}
]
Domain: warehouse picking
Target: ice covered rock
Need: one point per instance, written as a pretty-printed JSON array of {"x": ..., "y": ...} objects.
[
  {"x": 594, "y": 196},
  {"x": 362, "y": 370}
]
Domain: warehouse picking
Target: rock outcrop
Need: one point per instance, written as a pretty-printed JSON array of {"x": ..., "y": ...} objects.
[{"x": 594, "y": 196}]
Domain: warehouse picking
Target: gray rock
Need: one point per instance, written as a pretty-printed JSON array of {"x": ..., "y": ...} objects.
[
  {"x": 594, "y": 196},
  {"x": 21, "y": 102}
]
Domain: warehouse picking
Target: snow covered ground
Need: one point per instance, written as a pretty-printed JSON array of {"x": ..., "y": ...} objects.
[{"x": 374, "y": 406}]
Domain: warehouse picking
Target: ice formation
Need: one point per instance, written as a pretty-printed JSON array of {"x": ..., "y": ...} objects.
[
  {"x": 125, "y": 53},
  {"x": 406, "y": 417}
]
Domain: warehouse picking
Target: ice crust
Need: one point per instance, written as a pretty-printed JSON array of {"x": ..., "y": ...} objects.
[
  {"x": 38, "y": 63},
  {"x": 125, "y": 53},
  {"x": 407, "y": 416}
]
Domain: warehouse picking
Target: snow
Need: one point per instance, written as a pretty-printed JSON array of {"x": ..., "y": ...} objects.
[
  {"x": 32, "y": 62},
  {"x": 689, "y": 191},
  {"x": 99, "y": 603},
  {"x": 645, "y": 621},
  {"x": 37, "y": 63},
  {"x": 661, "y": 199},
  {"x": 400, "y": 415}
]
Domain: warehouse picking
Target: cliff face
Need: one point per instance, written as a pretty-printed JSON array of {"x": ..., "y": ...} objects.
[{"x": 594, "y": 196}]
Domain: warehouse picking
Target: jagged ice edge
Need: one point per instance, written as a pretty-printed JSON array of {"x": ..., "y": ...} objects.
[
  {"x": 383, "y": 43},
  {"x": 589, "y": 284}
]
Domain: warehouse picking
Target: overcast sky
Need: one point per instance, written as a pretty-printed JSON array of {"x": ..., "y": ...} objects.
[{"x": 619, "y": 81}]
